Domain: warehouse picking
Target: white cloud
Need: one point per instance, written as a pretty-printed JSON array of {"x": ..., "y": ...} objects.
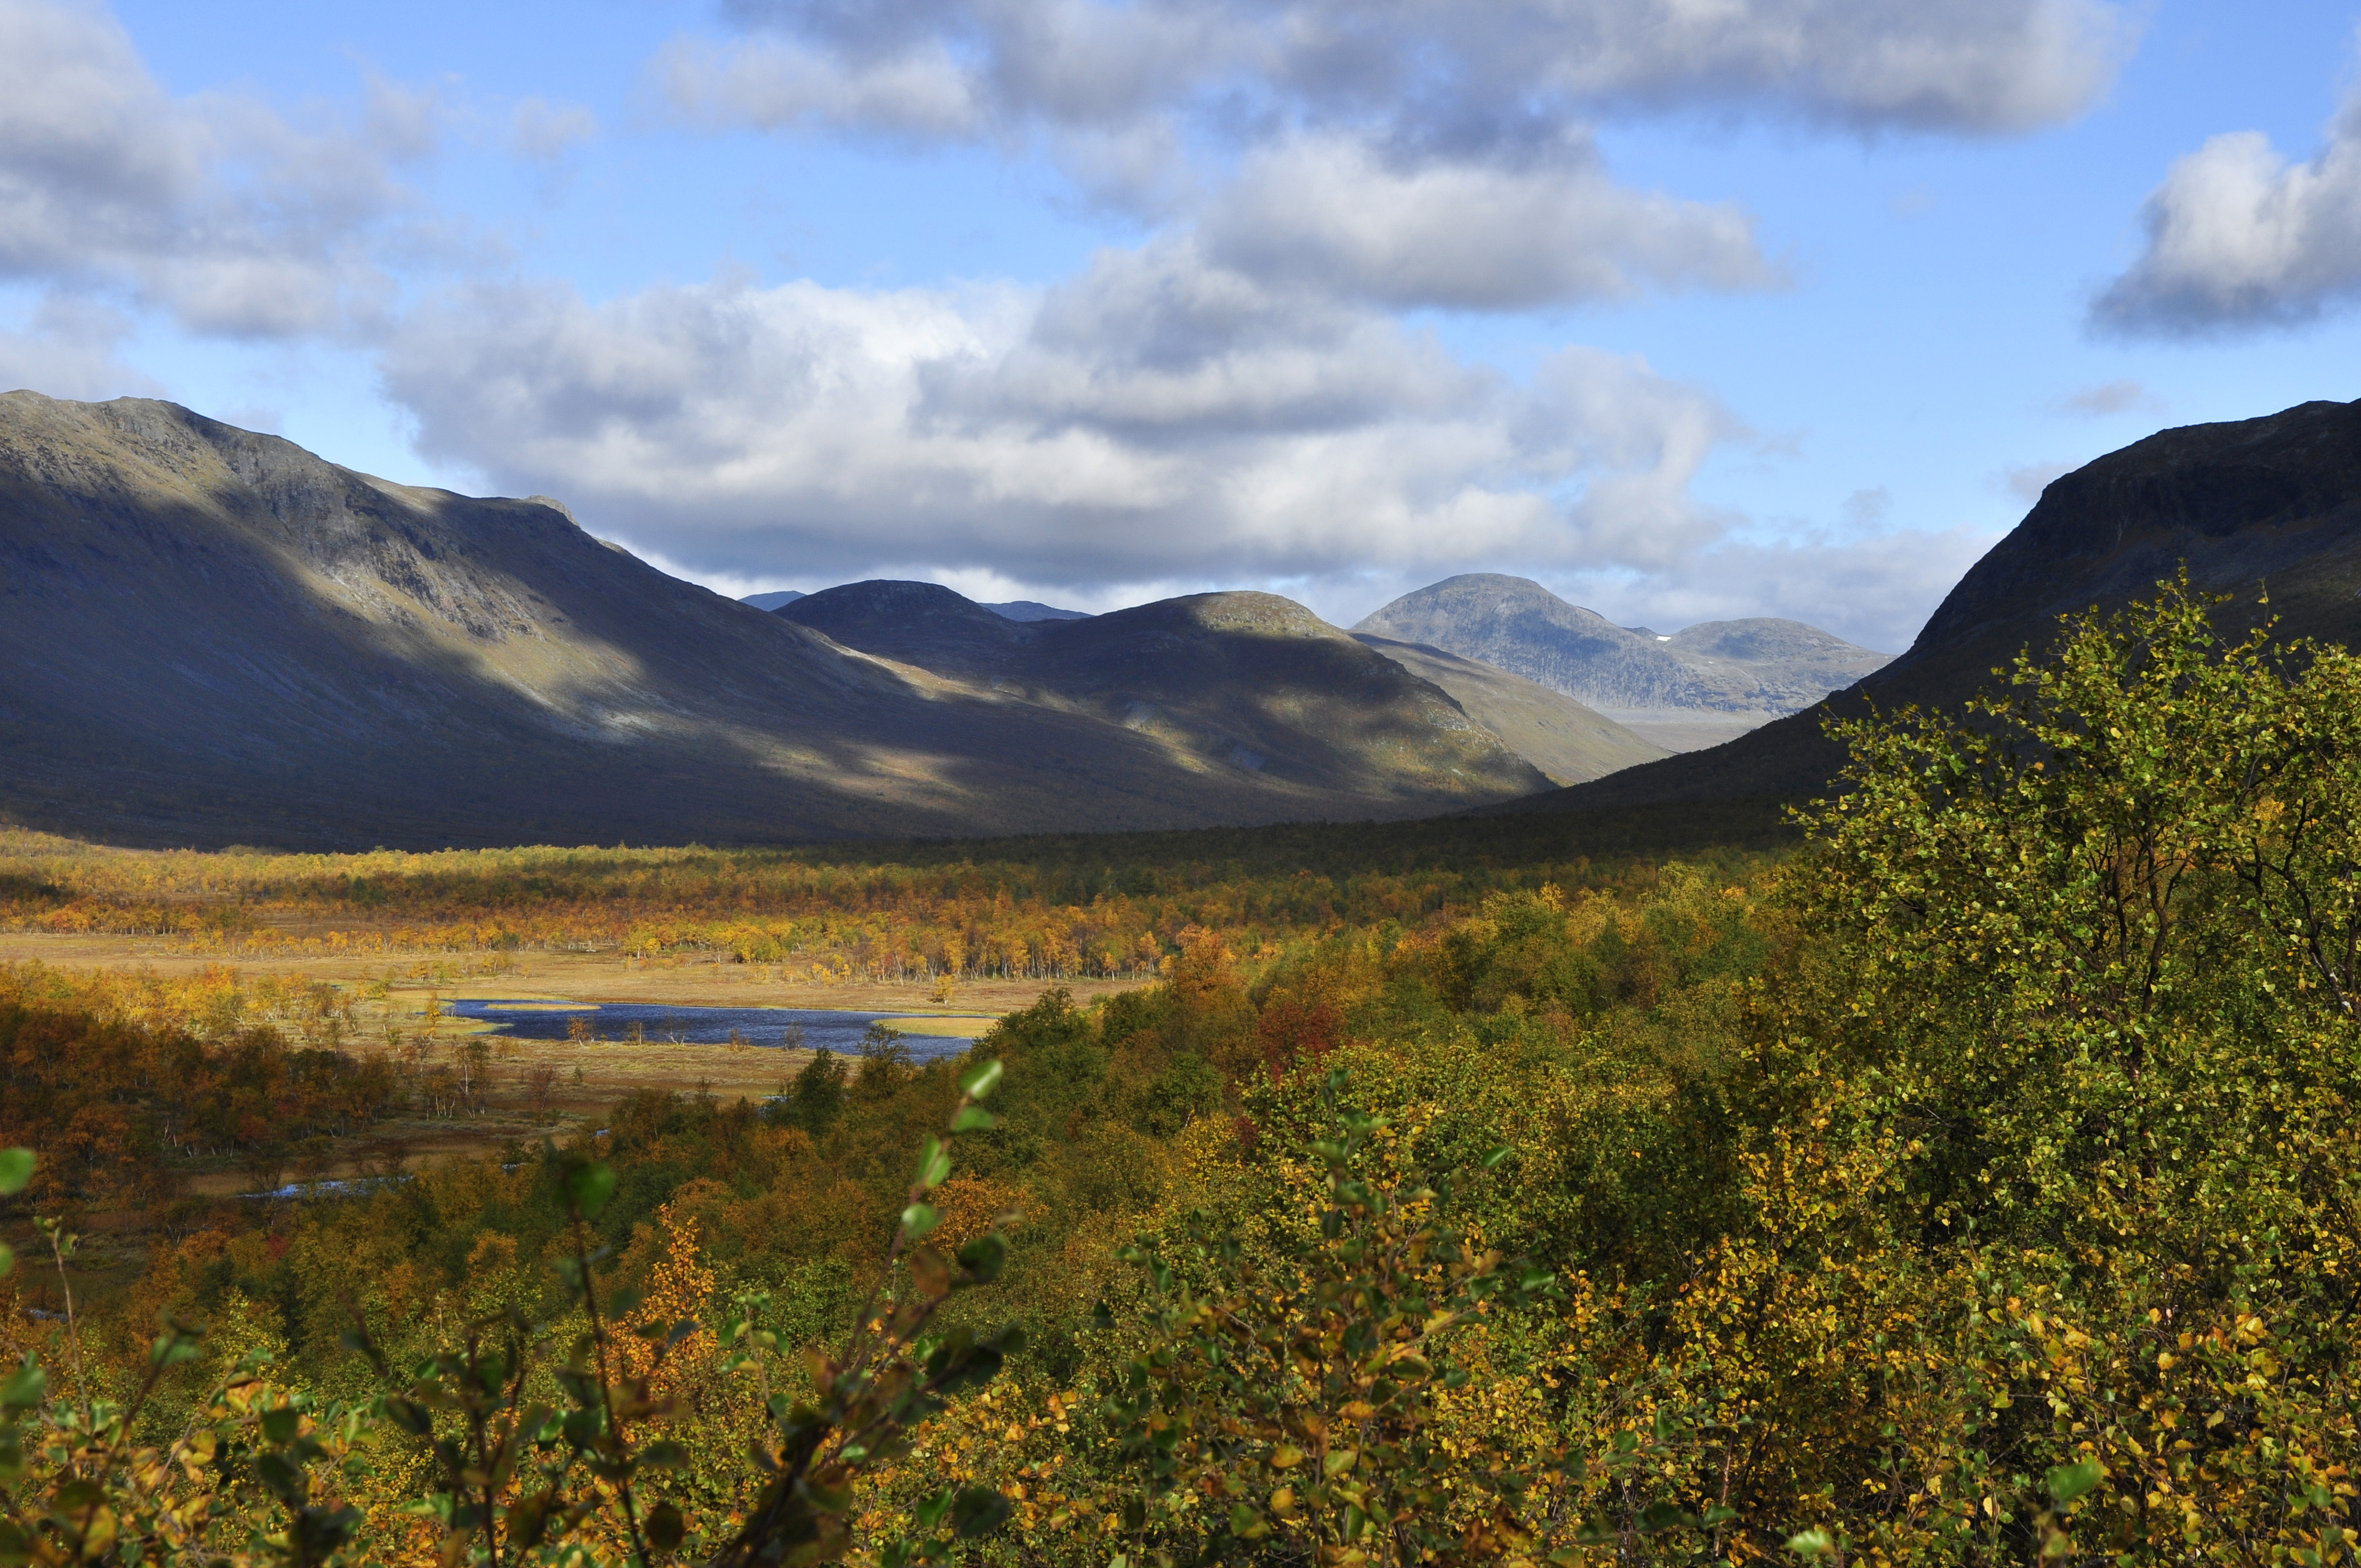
[
  {"x": 771, "y": 85},
  {"x": 1157, "y": 418},
  {"x": 2239, "y": 237},
  {"x": 1868, "y": 508},
  {"x": 1413, "y": 152},
  {"x": 540, "y": 130},
  {"x": 1331, "y": 211},
  {"x": 2113, "y": 398},
  {"x": 1876, "y": 592},
  {"x": 70, "y": 347},
  {"x": 1158, "y": 424},
  {"x": 213, "y": 207},
  {"x": 1972, "y": 66}
]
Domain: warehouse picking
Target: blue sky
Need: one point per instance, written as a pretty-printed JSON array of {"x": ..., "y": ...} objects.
[{"x": 1689, "y": 311}]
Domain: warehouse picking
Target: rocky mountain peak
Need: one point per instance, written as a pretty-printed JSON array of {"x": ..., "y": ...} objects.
[{"x": 1696, "y": 686}]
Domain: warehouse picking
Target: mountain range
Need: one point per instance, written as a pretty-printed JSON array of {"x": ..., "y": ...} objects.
[
  {"x": 2249, "y": 507},
  {"x": 211, "y": 635},
  {"x": 1014, "y": 610},
  {"x": 1691, "y": 689},
  {"x": 1251, "y": 678}
]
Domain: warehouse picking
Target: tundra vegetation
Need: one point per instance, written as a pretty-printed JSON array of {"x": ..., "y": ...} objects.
[{"x": 1979, "y": 1183}]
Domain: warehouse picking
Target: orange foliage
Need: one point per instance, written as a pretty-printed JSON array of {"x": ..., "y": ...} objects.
[{"x": 679, "y": 1289}]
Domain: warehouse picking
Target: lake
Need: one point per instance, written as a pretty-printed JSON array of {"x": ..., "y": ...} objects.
[{"x": 809, "y": 1027}]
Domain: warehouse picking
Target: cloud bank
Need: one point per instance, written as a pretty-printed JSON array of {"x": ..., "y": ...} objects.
[
  {"x": 1013, "y": 441},
  {"x": 1158, "y": 417},
  {"x": 1003, "y": 68},
  {"x": 1237, "y": 397},
  {"x": 1414, "y": 154},
  {"x": 1333, "y": 213},
  {"x": 213, "y": 210}
]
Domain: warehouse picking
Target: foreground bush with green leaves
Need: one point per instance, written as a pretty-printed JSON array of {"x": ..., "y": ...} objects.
[
  {"x": 516, "y": 1468},
  {"x": 1979, "y": 1189}
]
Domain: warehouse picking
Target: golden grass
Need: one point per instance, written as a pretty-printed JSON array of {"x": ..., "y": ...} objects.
[{"x": 962, "y": 1026}]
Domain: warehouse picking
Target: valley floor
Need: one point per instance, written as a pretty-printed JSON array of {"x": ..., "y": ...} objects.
[
  {"x": 537, "y": 1087},
  {"x": 1687, "y": 730}
]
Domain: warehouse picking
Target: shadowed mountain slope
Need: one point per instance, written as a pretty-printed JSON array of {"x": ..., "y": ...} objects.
[
  {"x": 2273, "y": 501},
  {"x": 1244, "y": 681},
  {"x": 925, "y": 624},
  {"x": 208, "y": 635},
  {"x": 1566, "y": 741},
  {"x": 1034, "y": 609},
  {"x": 1695, "y": 687}
]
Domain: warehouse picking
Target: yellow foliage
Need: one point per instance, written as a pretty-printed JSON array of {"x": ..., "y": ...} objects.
[{"x": 679, "y": 1289}]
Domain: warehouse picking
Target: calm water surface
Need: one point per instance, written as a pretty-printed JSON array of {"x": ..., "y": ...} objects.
[{"x": 811, "y": 1028}]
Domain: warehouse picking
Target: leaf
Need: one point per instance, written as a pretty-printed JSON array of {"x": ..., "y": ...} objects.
[
  {"x": 1493, "y": 1156},
  {"x": 978, "y": 1081},
  {"x": 931, "y": 1274},
  {"x": 1811, "y": 1544},
  {"x": 588, "y": 1186},
  {"x": 25, "y": 1389},
  {"x": 1658, "y": 1517},
  {"x": 15, "y": 1170},
  {"x": 528, "y": 1520},
  {"x": 919, "y": 1220},
  {"x": 417, "y": 1420},
  {"x": 934, "y": 1166},
  {"x": 974, "y": 1119},
  {"x": 284, "y": 1477},
  {"x": 173, "y": 1347},
  {"x": 665, "y": 1527},
  {"x": 2068, "y": 1482},
  {"x": 978, "y": 1510},
  {"x": 984, "y": 1257}
]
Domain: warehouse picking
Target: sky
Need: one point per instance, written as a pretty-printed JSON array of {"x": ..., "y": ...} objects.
[{"x": 1688, "y": 309}]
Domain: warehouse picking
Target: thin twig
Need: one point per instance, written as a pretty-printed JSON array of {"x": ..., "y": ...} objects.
[{"x": 606, "y": 1393}]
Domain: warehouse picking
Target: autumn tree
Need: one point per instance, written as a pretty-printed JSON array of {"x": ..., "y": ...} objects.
[{"x": 2081, "y": 1021}]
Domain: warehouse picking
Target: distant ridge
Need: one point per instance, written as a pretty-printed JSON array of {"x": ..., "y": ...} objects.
[
  {"x": 211, "y": 636},
  {"x": 1697, "y": 687},
  {"x": 1566, "y": 741},
  {"x": 1034, "y": 609},
  {"x": 2272, "y": 501},
  {"x": 1014, "y": 610},
  {"x": 1241, "y": 681}
]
